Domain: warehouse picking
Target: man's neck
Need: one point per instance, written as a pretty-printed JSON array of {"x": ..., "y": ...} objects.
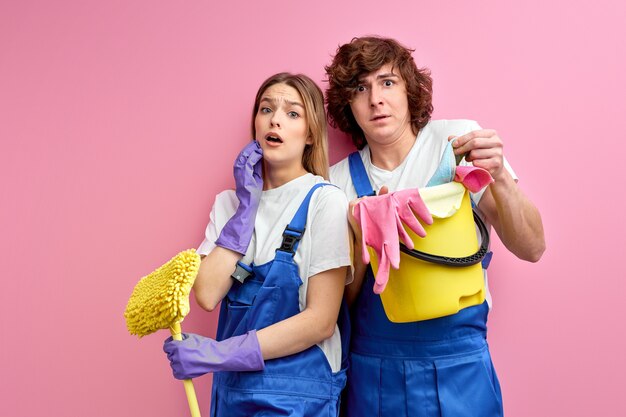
[{"x": 390, "y": 156}]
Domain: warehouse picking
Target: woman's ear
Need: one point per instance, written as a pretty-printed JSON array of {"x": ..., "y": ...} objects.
[{"x": 309, "y": 140}]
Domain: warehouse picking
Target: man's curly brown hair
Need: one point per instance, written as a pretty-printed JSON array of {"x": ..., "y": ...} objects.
[{"x": 362, "y": 56}]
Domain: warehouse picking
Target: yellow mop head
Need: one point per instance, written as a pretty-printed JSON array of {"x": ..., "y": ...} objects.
[{"x": 161, "y": 298}]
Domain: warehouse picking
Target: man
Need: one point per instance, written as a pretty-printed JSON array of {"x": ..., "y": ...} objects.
[{"x": 440, "y": 366}]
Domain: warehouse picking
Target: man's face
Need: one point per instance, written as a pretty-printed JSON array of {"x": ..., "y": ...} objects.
[{"x": 380, "y": 106}]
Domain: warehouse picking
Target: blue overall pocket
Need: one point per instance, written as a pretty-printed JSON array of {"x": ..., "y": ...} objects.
[
  {"x": 364, "y": 374},
  {"x": 277, "y": 298},
  {"x": 239, "y": 299},
  {"x": 265, "y": 308},
  {"x": 468, "y": 386}
]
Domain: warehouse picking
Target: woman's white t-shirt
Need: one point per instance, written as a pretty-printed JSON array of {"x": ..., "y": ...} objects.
[{"x": 325, "y": 244}]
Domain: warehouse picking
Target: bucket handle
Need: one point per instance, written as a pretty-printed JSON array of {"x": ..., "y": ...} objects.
[{"x": 456, "y": 262}]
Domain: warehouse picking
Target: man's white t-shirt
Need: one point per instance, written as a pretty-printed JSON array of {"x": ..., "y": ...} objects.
[
  {"x": 325, "y": 244},
  {"x": 417, "y": 168}
]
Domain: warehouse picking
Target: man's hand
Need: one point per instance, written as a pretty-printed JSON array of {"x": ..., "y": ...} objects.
[
  {"x": 483, "y": 148},
  {"x": 382, "y": 220},
  {"x": 514, "y": 217},
  {"x": 356, "y": 229}
]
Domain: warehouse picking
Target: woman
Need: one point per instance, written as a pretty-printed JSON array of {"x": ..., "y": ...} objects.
[{"x": 278, "y": 347}]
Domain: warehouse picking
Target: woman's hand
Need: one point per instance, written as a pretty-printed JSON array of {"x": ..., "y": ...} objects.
[
  {"x": 197, "y": 355},
  {"x": 247, "y": 170}
]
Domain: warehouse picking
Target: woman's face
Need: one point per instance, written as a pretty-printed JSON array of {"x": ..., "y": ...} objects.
[
  {"x": 380, "y": 106},
  {"x": 281, "y": 127}
]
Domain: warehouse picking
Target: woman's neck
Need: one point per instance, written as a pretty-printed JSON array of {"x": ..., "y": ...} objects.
[{"x": 276, "y": 176}]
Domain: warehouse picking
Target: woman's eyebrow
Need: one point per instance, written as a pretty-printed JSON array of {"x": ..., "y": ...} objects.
[
  {"x": 273, "y": 101},
  {"x": 296, "y": 103}
]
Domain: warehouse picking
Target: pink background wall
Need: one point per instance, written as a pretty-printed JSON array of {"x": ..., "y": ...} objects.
[{"x": 119, "y": 121}]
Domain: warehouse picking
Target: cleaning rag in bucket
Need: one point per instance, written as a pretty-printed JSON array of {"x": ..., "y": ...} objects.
[{"x": 472, "y": 178}]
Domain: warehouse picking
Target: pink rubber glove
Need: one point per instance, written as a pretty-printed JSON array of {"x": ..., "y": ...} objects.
[
  {"x": 472, "y": 178},
  {"x": 380, "y": 219},
  {"x": 410, "y": 203}
]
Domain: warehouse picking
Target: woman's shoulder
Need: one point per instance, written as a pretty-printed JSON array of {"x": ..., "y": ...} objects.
[
  {"x": 226, "y": 201},
  {"x": 329, "y": 194},
  {"x": 329, "y": 188}
]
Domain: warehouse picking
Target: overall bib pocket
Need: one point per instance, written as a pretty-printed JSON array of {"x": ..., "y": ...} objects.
[
  {"x": 467, "y": 386},
  {"x": 264, "y": 309},
  {"x": 238, "y": 302},
  {"x": 364, "y": 369}
]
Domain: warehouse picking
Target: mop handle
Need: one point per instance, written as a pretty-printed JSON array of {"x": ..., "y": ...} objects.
[{"x": 188, "y": 383}]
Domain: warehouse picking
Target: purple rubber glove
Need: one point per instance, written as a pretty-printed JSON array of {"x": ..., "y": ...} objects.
[
  {"x": 247, "y": 171},
  {"x": 197, "y": 355}
]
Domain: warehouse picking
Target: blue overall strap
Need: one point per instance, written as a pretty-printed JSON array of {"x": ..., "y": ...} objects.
[
  {"x": 295, "y": 229},
  {"x": 487, "y": 259},
  {"x": 359, "y": 177}
]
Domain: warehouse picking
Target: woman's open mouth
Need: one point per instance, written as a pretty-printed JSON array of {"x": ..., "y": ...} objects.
[{"x": 273, "y": 138}]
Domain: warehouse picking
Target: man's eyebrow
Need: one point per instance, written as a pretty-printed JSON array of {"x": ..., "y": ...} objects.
[
  {"x": 387, "y": 75},
  {"x": 378, "y": 77}
]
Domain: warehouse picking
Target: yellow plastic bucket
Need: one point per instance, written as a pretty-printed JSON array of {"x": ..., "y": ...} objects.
[{"x": 422, "y": 290}]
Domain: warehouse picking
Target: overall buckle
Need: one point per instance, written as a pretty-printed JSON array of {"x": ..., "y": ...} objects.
[
  {"x": 242, "y": 272},
  {"x": 291, "y": 237}
]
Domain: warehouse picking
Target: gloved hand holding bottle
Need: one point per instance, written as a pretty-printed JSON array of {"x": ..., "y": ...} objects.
[
  {"x": 197, "y": 355},
  {"x": 247, "y": 170}
]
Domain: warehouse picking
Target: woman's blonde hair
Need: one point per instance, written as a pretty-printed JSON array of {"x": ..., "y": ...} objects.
[{"x": 315, "y": 157}]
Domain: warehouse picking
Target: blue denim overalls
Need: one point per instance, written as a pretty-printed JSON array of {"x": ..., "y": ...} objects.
[
  {"x": 297, "y": 385},
  {"x": 438, "y": 367}
]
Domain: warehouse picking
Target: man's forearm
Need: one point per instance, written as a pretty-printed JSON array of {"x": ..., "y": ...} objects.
[{"x": 515, "y": 218}]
